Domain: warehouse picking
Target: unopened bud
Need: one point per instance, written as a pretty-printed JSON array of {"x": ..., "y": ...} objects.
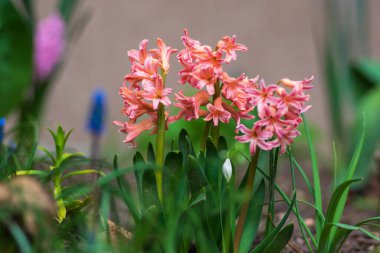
[{"x": 227, "y": 169}]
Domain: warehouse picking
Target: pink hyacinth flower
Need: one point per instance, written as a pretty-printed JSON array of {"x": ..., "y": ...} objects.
[
  {"x": 229, "y": 46},
  {"x": 256, "y": 137},
  {"x": 49, "y": 45},
  {"x": 163, "y": 54},
  {"x": 133, "y": 130},
  {"x": 205, "y": 77},
  {"x": 156, "y": 93},
  {"x": 217, "y": 112},
  {"x": 190, "y": 105},
  {"x": 298, "y": 86}
]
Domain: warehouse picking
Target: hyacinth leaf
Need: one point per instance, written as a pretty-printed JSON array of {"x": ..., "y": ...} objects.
[
  {"x": 351, "y": 172},
  {"x": 212, "y": 171},
  {"x": 222, "y": 148},
  {"x": 175, "y": 186},
  {"x": 343, "y": 231},
  {"x": 368, "y": 71},
  {"x": 253, "y": 218},
  {"x": 138, "y": 161},
  {"x": 196, "y": 175},
  {"x": 281, "y": 240},
  {"x": 185, "y": 145},
  {"x": 367, "y": 104},
  {"x": 16, "y": 57},
  {"x": 151, "y": 157},
  {"x": 304, "y": 176},
  {"x": 126, "y": 193},
  {"x": 150, "y": 194},
  {"x": 316, "y": 179},
  {"x": 272, "y": 235},
  {"x": 336, "y": 198}
]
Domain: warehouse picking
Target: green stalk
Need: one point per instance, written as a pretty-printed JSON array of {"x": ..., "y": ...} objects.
[
  {"x": 273, "y": 158},
  {"x": 296, "y": 203},
  {"x": 244, "y": 209},
  {"x": 215, "y": 129},
  {"x": 61, "y": 209},
  {"x": 160, "y": 148}
]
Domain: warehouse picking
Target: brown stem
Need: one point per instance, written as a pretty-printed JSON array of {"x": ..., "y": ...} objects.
[{"x": 244, "y": 210}]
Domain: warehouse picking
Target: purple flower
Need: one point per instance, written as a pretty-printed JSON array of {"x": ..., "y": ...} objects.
[{"x": 49, "y": 45}]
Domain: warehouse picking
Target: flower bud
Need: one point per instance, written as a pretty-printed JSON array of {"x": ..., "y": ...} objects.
[
  {"x": 96, "y": 119},
  {"x": 227, "y": 169},
  {"x": 2, "y": 126}
]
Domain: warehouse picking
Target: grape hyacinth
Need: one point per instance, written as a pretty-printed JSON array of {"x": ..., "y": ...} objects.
[{"x": 49, "y": 45}]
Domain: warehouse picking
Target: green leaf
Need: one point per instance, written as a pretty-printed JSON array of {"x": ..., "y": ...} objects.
[
  {"x": 342, "y": 234},
  {"x": 196, "y": 175},
  {"x": 173, "y": 171},
  {"x": 222, "y": 148},
  {"x": 138, "y": 161},
  {"x": 16, "y": 57},
  {"x": 288, "y": 201},
  {"x": 367, "y": 104},
  {"x": 281, "y": 240},
  {"x": 150, "y": 194},
  {"x": 20, "y": 237},
  {"x": 67, "y": 7},
  {"x": 331, "y": 214},
  {"x": 126, "y": 194},
  {"x": 368, "y": 70},
  {"x": 151, "y": 157},
  {"x": 316, "y": 179},
  {"x": 253, "y": 218},
  {"x": 269, "y": 239},
  {"x": 212, "y": 171},
  {"x": 185, "y": 145}
]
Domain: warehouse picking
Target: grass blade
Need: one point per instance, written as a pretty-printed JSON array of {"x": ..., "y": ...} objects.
[{"x": 316, "y": 179}]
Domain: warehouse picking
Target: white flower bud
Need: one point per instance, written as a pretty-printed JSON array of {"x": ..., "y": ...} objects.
[{"x": 227, "y": 169}]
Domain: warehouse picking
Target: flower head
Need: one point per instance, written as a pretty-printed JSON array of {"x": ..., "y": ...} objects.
[
  {"x": 96, "y": 120},
  {"x": 2, "y": 126},
  {"x": 146, "y": 89},
  {"x": 217, "y": 112},
  {"x": 229, "y": 46},
  {"x": 49, "y": 45}
]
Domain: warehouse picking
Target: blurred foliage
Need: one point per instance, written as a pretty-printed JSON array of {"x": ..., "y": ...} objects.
[
  {"x": 353, "y": 81},
  {"x": 16, "y": 56}
]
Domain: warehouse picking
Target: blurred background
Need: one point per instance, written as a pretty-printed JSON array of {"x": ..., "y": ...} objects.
[{"x": 294, "y": 39}]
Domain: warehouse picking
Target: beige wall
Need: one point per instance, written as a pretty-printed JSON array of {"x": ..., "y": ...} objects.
[{"x": 283, "y": 38}]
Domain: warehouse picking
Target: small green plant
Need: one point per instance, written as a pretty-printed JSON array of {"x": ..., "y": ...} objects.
[{"x": 57, "y": 173}]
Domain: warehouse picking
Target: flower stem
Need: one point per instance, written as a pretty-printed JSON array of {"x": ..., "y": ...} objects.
[
  {"x": 244, "y": 209},
  {"x": 215, "y": 129},
  {"x": 160, "y": 148}
]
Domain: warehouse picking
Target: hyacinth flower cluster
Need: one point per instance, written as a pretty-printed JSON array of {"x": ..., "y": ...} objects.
[
  {"x": 49, "y": 45},
  {"x": 279, "y": 106},
  {"x": 275, "y": 109},
  {"x": 144, "y": 89}
]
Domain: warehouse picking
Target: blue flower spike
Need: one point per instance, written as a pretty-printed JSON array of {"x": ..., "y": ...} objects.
[
  {"x": 97, "y": 116},
  {"x": 2, "y": 126}
]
